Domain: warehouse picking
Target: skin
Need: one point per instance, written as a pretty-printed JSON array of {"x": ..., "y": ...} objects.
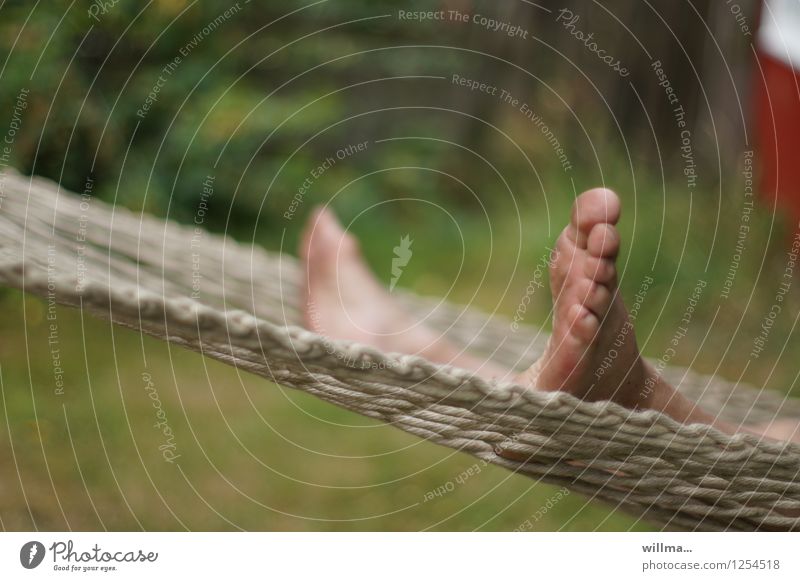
[{"x": 344, "y": 300}]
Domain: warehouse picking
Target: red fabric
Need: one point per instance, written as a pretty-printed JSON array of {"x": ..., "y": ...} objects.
[{"x": 777, "y": 102}]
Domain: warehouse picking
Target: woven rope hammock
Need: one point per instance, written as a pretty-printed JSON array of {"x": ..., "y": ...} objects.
[{"x": 141, "y": 272}]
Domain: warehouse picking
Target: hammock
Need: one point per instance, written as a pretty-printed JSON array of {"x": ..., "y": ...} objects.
[{"x": 141, "y": 272}]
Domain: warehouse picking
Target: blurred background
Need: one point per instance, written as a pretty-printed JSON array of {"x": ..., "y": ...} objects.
[{"x": 147, "y": 100}]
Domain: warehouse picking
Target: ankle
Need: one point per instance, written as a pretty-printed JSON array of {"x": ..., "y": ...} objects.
[
  {"x": 650, "y": 391},
  {"x": 669, "y": 401}
]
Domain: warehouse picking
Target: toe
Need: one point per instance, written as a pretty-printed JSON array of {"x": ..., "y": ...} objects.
[
  {"x": 592, "y": 296},
  {"x": 327, "y": 225},
  {"x": 599, "y": 300},
  {"x": 584, "y": 325},
  {"x": 603, "y": 241},
  {"x": 325, "y": 236},
  {"x": 581, "y": 290},
  {"x": 595, "y": 206},
  {"x": 600, "y": 270},
  {"x": 560, "y": 260},
  {"x": 307, "y": 241}
]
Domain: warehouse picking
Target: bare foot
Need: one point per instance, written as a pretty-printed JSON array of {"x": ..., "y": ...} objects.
[
  {"x": 590, "y": 320},
  {"x": 344, "y": 300}
]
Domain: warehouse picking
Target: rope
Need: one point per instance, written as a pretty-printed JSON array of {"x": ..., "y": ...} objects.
[{"x": 141, "y": 272}]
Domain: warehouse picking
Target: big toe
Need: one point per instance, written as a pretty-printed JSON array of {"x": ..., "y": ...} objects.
[
  {"x": 593, "y": 207},
  {"x": 324, "y": 238}
]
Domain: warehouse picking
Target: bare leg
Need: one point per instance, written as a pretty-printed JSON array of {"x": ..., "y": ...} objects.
[{"x": 345, "y": 301}]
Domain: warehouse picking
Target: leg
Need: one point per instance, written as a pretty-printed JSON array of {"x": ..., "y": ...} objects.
[{"x": 345, "y": 301}]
